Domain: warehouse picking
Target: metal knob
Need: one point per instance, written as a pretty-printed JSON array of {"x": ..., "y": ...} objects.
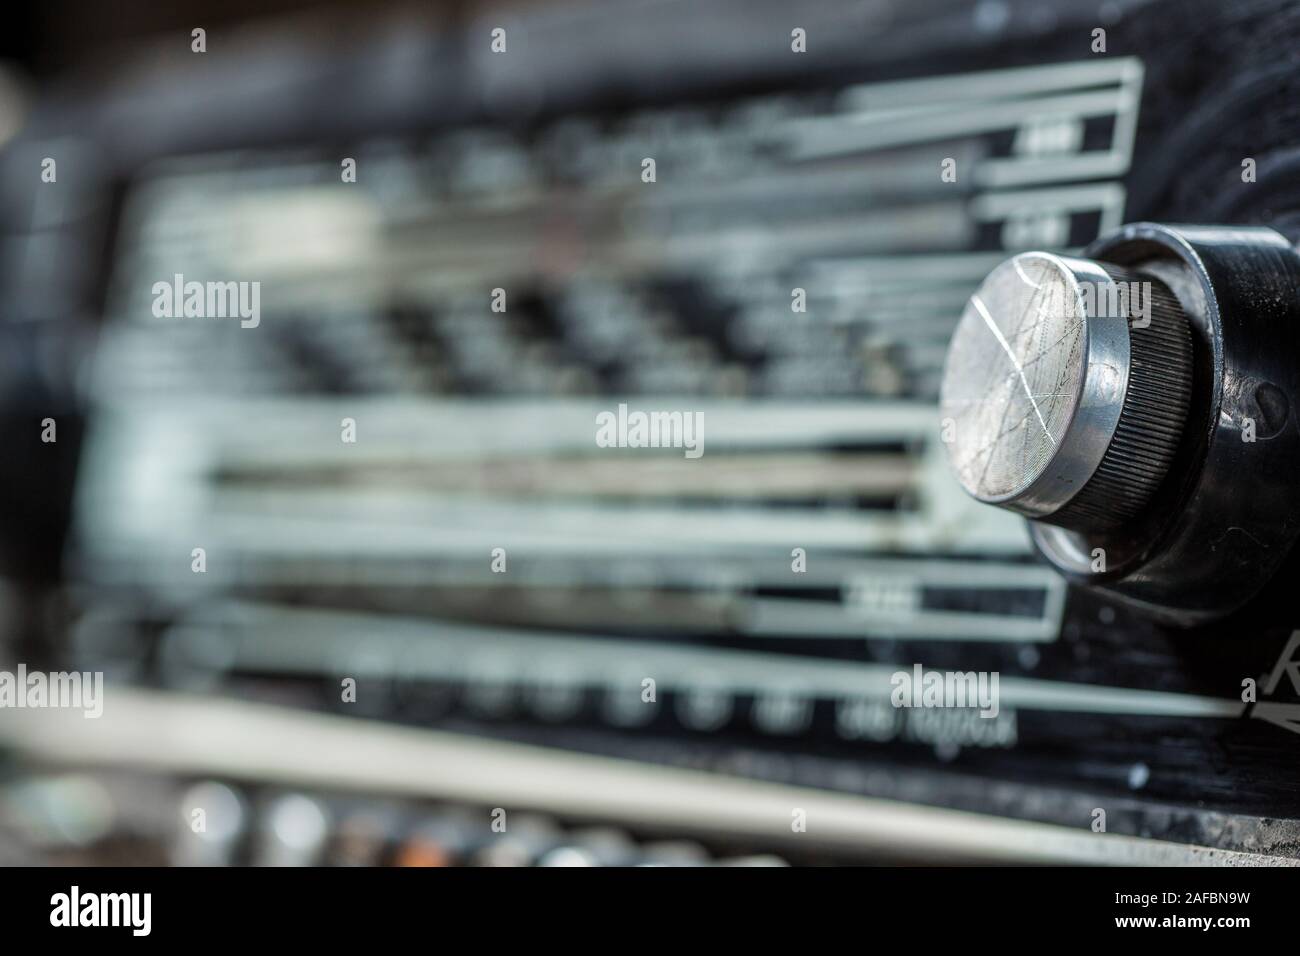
[{"x": 1066, "y": 390}]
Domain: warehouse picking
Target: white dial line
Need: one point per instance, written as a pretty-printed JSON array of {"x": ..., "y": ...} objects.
[{"x": 997, "y": 334}]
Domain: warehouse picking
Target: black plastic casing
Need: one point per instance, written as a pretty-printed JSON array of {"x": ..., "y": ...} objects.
[{"x": 1227, "y": 515}]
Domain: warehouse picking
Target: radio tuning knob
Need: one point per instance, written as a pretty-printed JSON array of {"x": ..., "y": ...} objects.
[
  {"x": 1066, "y": 390},
  {"x": 1140, "y": 406}
]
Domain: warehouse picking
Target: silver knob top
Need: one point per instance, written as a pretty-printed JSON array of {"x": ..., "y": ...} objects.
[{"x": 1038, "y": 385}]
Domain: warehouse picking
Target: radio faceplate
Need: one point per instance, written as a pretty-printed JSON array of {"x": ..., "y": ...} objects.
[{"x": 792, "y": 274}]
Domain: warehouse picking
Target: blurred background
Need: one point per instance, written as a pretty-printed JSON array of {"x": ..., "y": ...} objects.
[{"x": 793, "y": 272}]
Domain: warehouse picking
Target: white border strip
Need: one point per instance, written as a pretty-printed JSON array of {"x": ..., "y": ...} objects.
[{"x": 194, "y": 735}]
